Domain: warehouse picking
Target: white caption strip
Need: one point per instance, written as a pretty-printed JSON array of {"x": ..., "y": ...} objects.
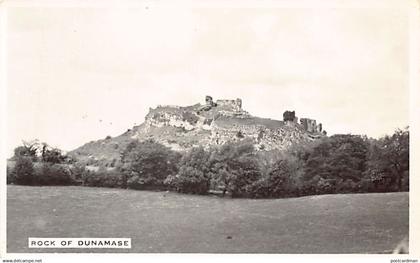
[{"x": 41, "y": 242}]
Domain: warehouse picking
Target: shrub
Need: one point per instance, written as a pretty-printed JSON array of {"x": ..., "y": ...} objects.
[
  {"x": 11, "y": 176},
  {"x": 53, "y": 174},
  {"x": 145, "y": 183},
  {"x": 347, "y": 186},
  {"x": 388, "y": 162},
  {"x": 190, "y": 117},
  {"x": 261, "y": 188},
  {"x": 240, "y": 135},
  {"x": 105, "y": 178},
  {"x": 333, "y": 161},
  {"x": 282, "y": 180},
  {"x": 235, "y": 168},
  {"x": 147, "y": 164},
  {"x": 79, "y": 173},
  {"x": 194, "y": 173},
  {"x": 189, "y": 180},
  {"x": 324, "y": 186},
  {"x": 24, "y": 171},
  {"x": 52, "y": 155},
  {"x": 28, "y": 149}
]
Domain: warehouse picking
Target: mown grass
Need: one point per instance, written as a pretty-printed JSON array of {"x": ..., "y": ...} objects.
[{"x": 170, "y": 222}]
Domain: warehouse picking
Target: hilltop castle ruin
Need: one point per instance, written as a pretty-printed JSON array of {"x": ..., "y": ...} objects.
[
  {"x": 308, "y": 125},
  {"x": 200, "y": 116},
  {"x": 232, "y": 105},
  {"x": 215, "y": 122}
]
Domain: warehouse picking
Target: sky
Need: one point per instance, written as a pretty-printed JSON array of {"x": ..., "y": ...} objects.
[{"x": 76, "y": 74}]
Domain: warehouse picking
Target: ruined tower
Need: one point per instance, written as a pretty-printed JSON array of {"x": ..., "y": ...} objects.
[
  {"x": 238, "y": 104},
  {"x": 289, "y": 116},
  {"x": 209, "y": 101},
  {"x": 309, "y": 124}
]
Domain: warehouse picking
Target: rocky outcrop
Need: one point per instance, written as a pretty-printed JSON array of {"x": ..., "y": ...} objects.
[
  {"x": 213, "y": 123},
  {"x": 227, "y": 121}
]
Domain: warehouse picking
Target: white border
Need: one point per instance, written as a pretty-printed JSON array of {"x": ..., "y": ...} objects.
[
  {"x": 412, "y": 7},
  {"x": 414, "y": 84},
  {"x": 3, "y": 123}
]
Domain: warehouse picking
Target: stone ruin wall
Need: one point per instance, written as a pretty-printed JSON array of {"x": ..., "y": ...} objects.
[
  {"x": 235, "y": 105},
  {"x": 264, "y": 138},
  {"x": 311, "y": 126},
  {"x": 307, "y": 124}
]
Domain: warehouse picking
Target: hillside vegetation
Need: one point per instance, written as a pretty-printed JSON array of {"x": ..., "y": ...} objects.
[{"x": 335, "y": 164}]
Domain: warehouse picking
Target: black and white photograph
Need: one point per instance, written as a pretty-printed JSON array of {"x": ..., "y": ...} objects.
[{"x": 209, "y": 128}]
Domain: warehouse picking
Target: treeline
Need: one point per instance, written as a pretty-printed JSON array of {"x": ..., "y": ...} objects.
[
  {"x": 37, "y": 163},
  {"x": 335, "y": 164}
]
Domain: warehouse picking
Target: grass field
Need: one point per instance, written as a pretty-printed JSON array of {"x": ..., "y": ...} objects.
[{"x": 171, "y": 222}]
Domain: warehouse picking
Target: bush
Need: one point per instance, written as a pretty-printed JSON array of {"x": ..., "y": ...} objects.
[
  {"x": 282, "y": 180},
  {"x": 11, "y": 176},
  {"x": 347, "y": 186},
  {"x": 189, "y": 180},
  {"x": 28, "y": 149},
  {"x": 388, "y": 162},
  {"x": 335, "y": 164},
  {"x": 145, "y": 183},
  {"x": 53, "y": 174},
  {"x": 52, "y": 155},
  {"x": 194, "y": 173},
  {"x": 79, "y": 173},
  {"x": 189, "y": 117},
  {"x": 24, "y": 171},
  {"x": 147, "y": 164},
  {"x": 235, "y": 168},
  {"x": 105, "y": 178},
  {"x": 261, "y": 188}
]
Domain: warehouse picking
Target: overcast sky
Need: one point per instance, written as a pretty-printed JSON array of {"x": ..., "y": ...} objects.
[{"x": 80, "y": 74}]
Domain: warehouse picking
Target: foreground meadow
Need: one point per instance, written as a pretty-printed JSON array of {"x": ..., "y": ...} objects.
[{"x": 161, "y": 222}]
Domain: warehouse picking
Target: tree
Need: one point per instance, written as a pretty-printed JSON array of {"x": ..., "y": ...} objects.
[
  {"x": 104, "y": 177},
  {"x": 51, "y": 155},
  {"x": 194, "y": 173},
  {"x": 53, "y": 174},
  {"x": 283, "y": 179},
  {"x": 37, "y": 150},
  {"x": 27, "y": 149},
  {"x": 388, "y": 160},
  {"x": 335, "y": 160},
  {"x": 147, "y": 164},
  {"x": 24, "y": 171},
  {"x": 10, "y": 175},
  {"x": 235, "y": 167},
  {"x": 79, "y": 173}
]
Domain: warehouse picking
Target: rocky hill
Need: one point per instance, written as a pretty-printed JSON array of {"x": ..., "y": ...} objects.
[{"x": 212, "y": 123}]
